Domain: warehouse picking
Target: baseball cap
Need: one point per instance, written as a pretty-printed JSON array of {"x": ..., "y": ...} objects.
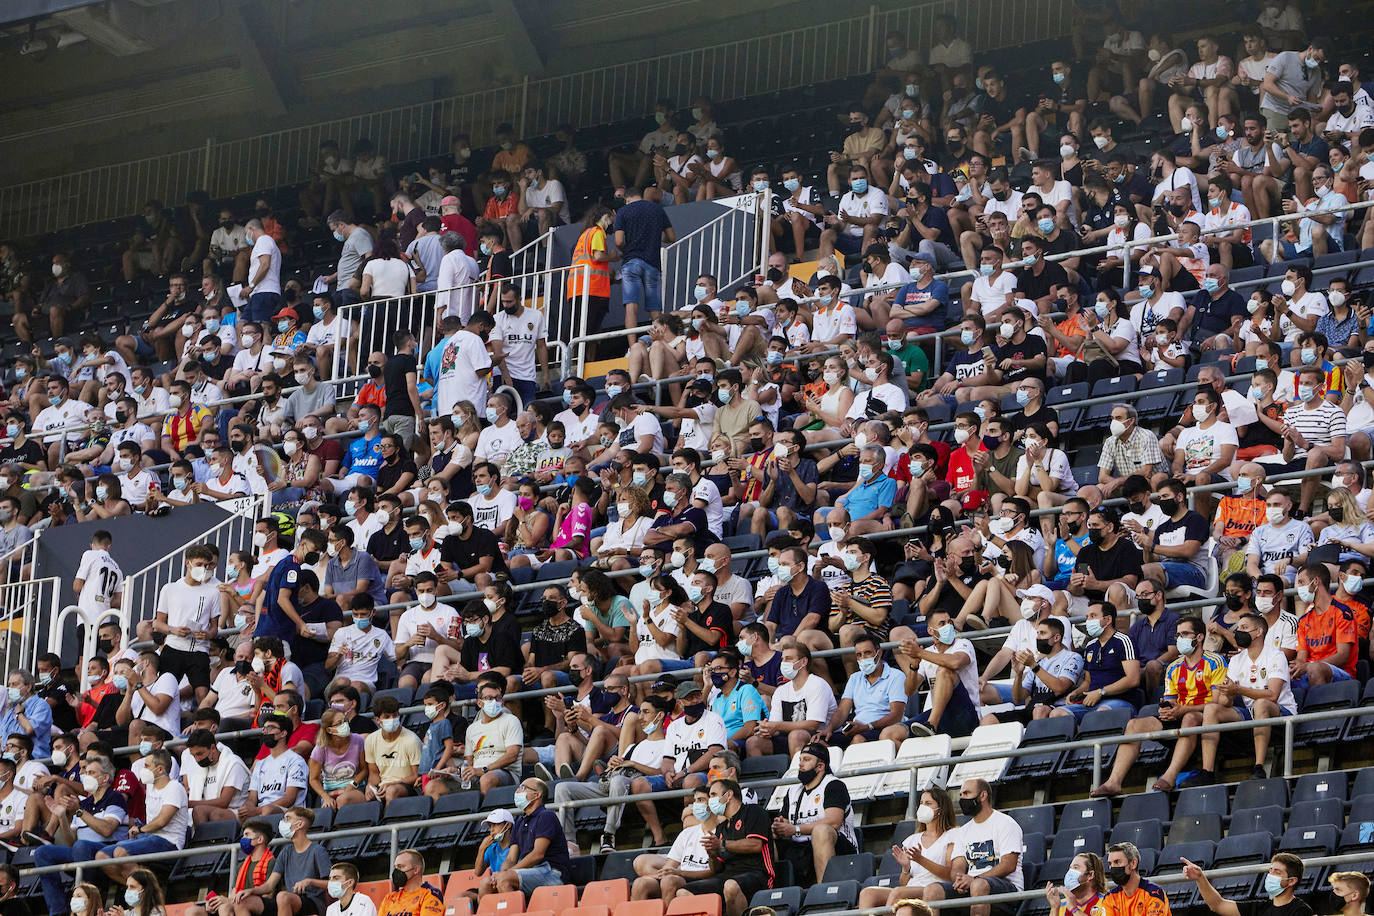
[
  {"x": 1036, "y": 591},
  {"x": 499, "y": 816},
  {"x": 687, "y": 688},
  {"x": 1148, "y": 271},
  {"x": 449, "y": 201},
  {"x": 286, "y": 313}
]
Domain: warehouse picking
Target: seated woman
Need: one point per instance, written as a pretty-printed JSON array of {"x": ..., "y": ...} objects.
[
  {"x": 624, "y": 537},
  {"x": 665, "y": 354},
  {"x": 995, "y": 597},
  {"x": 825, "y": 415},
  {"x": 337, "y": 766},
  {"x": 720, "y": 174},
  {"x": 924, "y": 857},
  {"x": 533, "y": 529}
]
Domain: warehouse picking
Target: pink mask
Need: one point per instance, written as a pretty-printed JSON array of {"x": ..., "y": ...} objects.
[{"x": 525, "y": 502}]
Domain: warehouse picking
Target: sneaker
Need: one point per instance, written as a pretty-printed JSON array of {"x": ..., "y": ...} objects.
[
  {"x": 921, "y": 730},
  {"x": 1257, "y": 772},
  {"x": 543, "y": 772},
  {"x": 13, "y": 848},
  {"x": 1200, "y": 778},
  {"x": 607, "y": 842},
  {"x": 37, "y": 838},
  {"x": 565, "y": 771},
  {"x": 1023, "y": 154}
]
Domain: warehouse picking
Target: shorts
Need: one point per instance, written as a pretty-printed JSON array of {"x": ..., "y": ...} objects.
[
  {"x": 657, "y": 783},
  {"x": 1247, "y": 716},
  {"x": 261, "y": 307},
  {"x": 674, "y": 664},
  {"x": 416, "y": 670},
  {"x": 642, "y": 284},
  {"x": 995, "y": 886},
  {"x": 541, "y": 875},
  {"x": 849, "y": 245},
  {"x": 526, "y": 388},
  {"x": 194, "y": 665},
  {"x": 1079, "y": 711},
  {"x": 401, "y": 426},
  {"x": 960, "y": 717},
  {"x": 1274, "y": 120},
  {"x": 749, "y": 882},
  {"x": 1180, "y": 574},
  {"x": 1337, "y": 674},
  {"x": 309, "y": 906},
  {"x": 843, "y": 739}
]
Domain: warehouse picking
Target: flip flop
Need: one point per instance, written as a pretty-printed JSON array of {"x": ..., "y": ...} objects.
[{"x": 1162, "y": 786}]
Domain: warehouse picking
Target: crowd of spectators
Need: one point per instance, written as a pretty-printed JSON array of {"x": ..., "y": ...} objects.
[{"x": 808, "y": 417}]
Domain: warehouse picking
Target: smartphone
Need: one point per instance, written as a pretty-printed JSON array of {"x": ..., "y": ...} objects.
[
  {"x": 987, "y": 353},
  {"x": 567, "y": 701}
]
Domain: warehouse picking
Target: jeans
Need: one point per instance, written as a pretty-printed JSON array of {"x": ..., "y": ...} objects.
[
  {"x": 642, "y": 284},
  {"x": 54, "y": 895}
]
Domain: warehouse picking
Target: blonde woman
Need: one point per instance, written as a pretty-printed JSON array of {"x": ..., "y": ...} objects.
[
  {"x": 336, "y": 763},
  {"x": 624, "y": 537},
  {"x": 924, "y": 857},
  {"x": 465, "y": 418},
  {"x": 1349, "y": 529}
]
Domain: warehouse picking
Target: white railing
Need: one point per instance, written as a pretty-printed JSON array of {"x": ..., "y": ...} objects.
[
  {"x": 234, "y": 533},
  {"x": 733, "y": 247},
  {"x": 27, "y": 607},
  {"x": 777, "y": 61},
  {"x": 371, "y": 324}
]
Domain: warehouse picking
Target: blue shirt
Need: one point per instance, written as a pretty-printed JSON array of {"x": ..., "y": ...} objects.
[
  {"x": 1151, "y": 640},
  {"x": 1104, "y": 665},
  {"x": 343, "y": 578},
  {"x": 1064, "y": 561},
  {"x": 364, "y": 456},
  {"x": 867, "y": 496},
  {"x": 643, "y": 223},
  {"x": 789, "y": 609},
  {"x": 913, "y": 294},
  {"x": 433, "y": 747},
  {"x": 743, "y": 704},
  {"x": 39, "y": 714},
  {"x": 274, "y": 622},
  {"x": 872, "y": 701}
]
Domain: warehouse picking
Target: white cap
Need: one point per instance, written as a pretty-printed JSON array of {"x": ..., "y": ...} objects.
[
  {"x": 1036, "y": 591},
  {"x": 500, "y": 816}
]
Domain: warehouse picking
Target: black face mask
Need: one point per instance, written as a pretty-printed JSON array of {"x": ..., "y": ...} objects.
[
  {"x": 970, "y": 806},
  {"x": 270, "y": 740},
  {"x": 680, "y": 149},
  {"x": 121, "y": 416},
  {"x": 1168, "y": 506},
  {"x": 239, "y": 445},
  {"x": 1337, "y": 513},
  {"x": 1234, "y": 602},
  {"x": 694, "y": 711},
  {"x": 1096, "y": 536},
  {"x": 549, "y": 608},
  {"x": 968, "y": 566},
  {"x": 1118, "y": 875},
  {"x": 854, "y": 127},
  {"x": 374, "y": 371},
  {"x": 312, "y": 558},
  {"x": 226, "y": 224},
  {"x": 398, "y": 878},
  {"x": 755, "y": 444},
  {"x": 812, "y": 374},
  {"x": 1242, "y": 637},
  {"x": 1001, "y": 195},
  {"x": 1043, "y": 646},
  {"x": 104, "y": 646},
  {"x": 807, "y": 775}
]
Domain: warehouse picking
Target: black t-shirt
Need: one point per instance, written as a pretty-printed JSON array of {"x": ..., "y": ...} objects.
[
  {"x": 392, "y": 471},
  {"x": 950, "y": 599},
  {"x": 1213, "y": 316},
  {"x": 1123, "y": 559},
  {"x": 1062, "y": 243},
  {"x": 63, "y": 715},
  {"x": 311, "y": 651},
  {"x": 1001, "y": 111},
  {"x": 1037, "y": 287},
  {"x": 498, "y": 651},
  {"x": 506, "y": 625},
  {"x": 1020, "y": 421},
  {"x": 497, "y": 264},
  {"x": 385, "y": 547},
  {"x": 29, "y": 453},
  {"x": 362, "y": 725},
  {"x": 1068, "y": 92},
  {"x": 550, "y": 643},
  {"x": 748, "y": 821},
  {"x": 1295, "y": 907},
  {"x": 397, "y": 391},
  {"x": 1030, "y": 348},
  {"x": 717, "y": 618},
  {"x": 464, "y": 554}
]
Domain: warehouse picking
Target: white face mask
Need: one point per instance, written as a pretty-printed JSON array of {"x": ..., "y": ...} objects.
[
  {"x": 961, "y": 434},
  {"x": 1118, "y": 428},
  {"x": 1274, "y": 514},
  {"x": 426, "y": 599}
]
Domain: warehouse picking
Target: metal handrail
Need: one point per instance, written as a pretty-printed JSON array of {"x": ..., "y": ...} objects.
[{"x": 1096, "y": 744}]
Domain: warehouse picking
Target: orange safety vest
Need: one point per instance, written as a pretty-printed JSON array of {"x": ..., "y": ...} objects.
[{"x": 600, "y": 270}]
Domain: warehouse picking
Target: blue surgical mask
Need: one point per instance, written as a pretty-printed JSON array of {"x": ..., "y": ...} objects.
[
  {"x": 774, "y": 357},
  {"x": 1242, "y": 484},
  {"x": 484, "y": 248},
  {"x": 645, "y": 570},
  {"x": 493, "y": 709},
  {"x": 826, "y": 300},
  {"x": 1071, "y": 877},
  {"x": 1145, "y": 290},
  {"x": 1222, "y": 132},
  {"x": 694, "y": 593},
  {"x": 700, "y": 293},
  {"x": 132, "y": 897},
  {"x": 1261, "y": 362},
  {"x": 338, "y": 236},
  {"x": 1022, "y": 397},
  {"x": 639, "y": 478},
  {"x": 472, "y": 630},
  {"x": 521, "y": 800},
  {"x": 773, "y": 563},
  {"x": 1210, "y": 284},
  {"x": 120, "y": 682},
  {"x": 968, "y": 337},
  {"x": 1094, "y": 627},
  {"x": 1309, "y": 355},
  {"x": 760, "y": 186},
  {"x": 1273, "y": 885},
  {"x": 701, "y": 811},
  {"x": 417, "y": 543},
  {"x": 492, "y": 414},
  {"x": 724, "y": 395},
  {"x": 1059, "y": 77},
  {"x": 613, "y": 390},
  {"x": 363, "y": 623},
  {"x": 1046, "y": 226},
  {"x": 483, "y": 489},
  {"x": 792, "y": 184},
  {"x": 567, "y": 397},
  {"x": 717, "y": 805},
  {"x": 145, "y": 748},
  {"x": 865, "y": 471},
  {"x": 1185, "y": 645},
  {"x": 986, "y": 269},
  {"x": 364, "y": 425},
  {"x": 318, "y": 312},
  {"x": 669, "y": 498},
  {"x": 283, "y": 326},
  {"x": 1306, "y": 594},
  {"x": 741, "y": 308},
  {"x": 946, "y": 634},
  {"x": 1305, "y": 392},
  {"x": 868, "y": 665},
  {"x": 859, "y": 186}
]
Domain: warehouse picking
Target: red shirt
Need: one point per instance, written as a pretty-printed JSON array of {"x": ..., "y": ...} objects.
[
  {"x": 1322, "y": 633},
  {"x": 134, "y": 792},
  {"x": 457, "y": 222},
  {"x": 962, "y": 475},
  {"x": 307, "y": 732}
]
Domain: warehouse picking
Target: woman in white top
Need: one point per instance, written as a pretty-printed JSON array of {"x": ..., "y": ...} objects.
[
  {"x": 720, "y": 174},
  {"x": 654, "y": 627},
  {"x": 386, "y": 275},
  {"x": 624, "y": 537},
  {"x": 830, "y": 408},
  {"x": 1112, "y": 347},
  {"x": 924, "y": 857},
  {"x": 706, "y": 337},
  {"x": 1258, "y": 332},
  {"x": 1043, "y": 473}
]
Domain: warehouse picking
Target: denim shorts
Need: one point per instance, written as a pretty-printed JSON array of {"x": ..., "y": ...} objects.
[
  {"x": 541, "y": 875},
  {"x": 642, "y": 284},
  {"x": 1183, "y": 574}
]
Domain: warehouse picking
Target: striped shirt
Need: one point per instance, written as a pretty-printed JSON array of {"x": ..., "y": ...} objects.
[
  {"x": 874, "y": 592},
  {"x": 1317, "y": 426},
  {"x": 1191, "y": 685}
]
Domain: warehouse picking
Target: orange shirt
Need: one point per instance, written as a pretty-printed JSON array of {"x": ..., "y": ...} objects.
[
  {"x": 501, "y": 207},
  {"x": 1358, "y": 610},
  {"x": 1240, "y": 516},
  {"x": 372, "y": 393},
  {"x": 1322, "y": 633}
]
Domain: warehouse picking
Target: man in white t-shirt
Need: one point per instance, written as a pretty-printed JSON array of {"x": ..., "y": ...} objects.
[
  {"x": 421, "y": 630},
  {"x": 523, "y": 333},
  {"x": 994, "y": 290},
  {"x": 187, "y": 611},
  {"x": 14, "y": 805},
  {"x": 263, "y": 288},
  {"x": 168, "y": 817},
  {"x": 879, "y": 270},
  {"x": 232, "y": 694},
  {"x": 150, "y": 697},
  {"x": 855, "y": 224},
  {"x": 1036, "y": 602},
  {"x": 987, "y": 851},
  {"x": 948, "y": 669},
  {"x": 62, "y": 411},
  {"x": 492, "y": 504},
  {"x": 693, "y": 738},
  {"x": 494, "y": 742},
  {"x": 216, "y": 779},
  {"x": 98, "y": 578},
  {"x": 355, "y": 651},
  {"x": 801, "y": 704},
  {"x": 502, "y": 435},
  {"x": 546, "y": 203},
  {"x": 464, "y": 366},
  {"x": 454, "y": 294}
]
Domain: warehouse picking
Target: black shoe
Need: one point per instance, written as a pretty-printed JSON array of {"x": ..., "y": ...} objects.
[
  {"x": 37, "y": 837},
  {"x": 921, "y": 730},
  {"x": 1200, "y": 778},
  {"x": 607, "y": 842},
  {"x": 1257, "y": 772}
]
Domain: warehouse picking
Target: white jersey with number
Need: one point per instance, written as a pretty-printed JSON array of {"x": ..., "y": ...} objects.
[{"x": 102, "y": 579}]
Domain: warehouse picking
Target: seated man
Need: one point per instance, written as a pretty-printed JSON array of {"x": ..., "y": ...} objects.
[
  {"x": 1111, "y": 672},
  {"x": 873, "y": 703},
  {"x": 1257, "y": 677},
  {"x": 1190, "y": 683},
  {"x": 986, "y": 858},
  {"x": 1328, "y": 643},
  {"x": 948, "y": 670},
  {"x": 660, "y": 876},
  {"x": 1041, "y": 678},
  {"x": 494, "y": 741},
  {"x": 800, "y": 706}
]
